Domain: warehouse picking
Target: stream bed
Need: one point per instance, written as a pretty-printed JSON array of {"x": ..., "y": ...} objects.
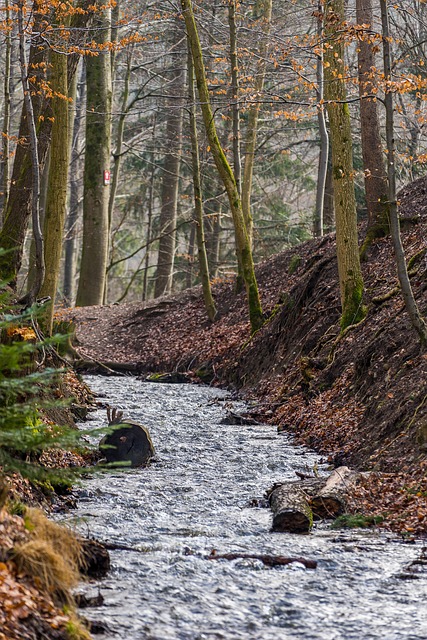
[{"x": 197, "y": 497}]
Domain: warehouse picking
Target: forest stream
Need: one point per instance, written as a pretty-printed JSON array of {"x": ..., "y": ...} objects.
[{"x": 199, "y": 496}]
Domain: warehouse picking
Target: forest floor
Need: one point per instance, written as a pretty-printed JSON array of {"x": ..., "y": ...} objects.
[{"x": 359, "y": 398}]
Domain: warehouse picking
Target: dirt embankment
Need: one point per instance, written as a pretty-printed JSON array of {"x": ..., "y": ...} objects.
[{"x": 359, "y": 398}]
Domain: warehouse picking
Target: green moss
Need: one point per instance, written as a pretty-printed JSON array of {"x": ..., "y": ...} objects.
[
  {"x": 354, "y": 310},
  {"x": 17, "y": 508},
  {"x": 294, "y": 263},
  {"x": 356, "y": 521},
  {"x": 416, "y": 258}
]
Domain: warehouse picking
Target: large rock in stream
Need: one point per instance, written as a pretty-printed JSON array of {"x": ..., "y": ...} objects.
[{"x": 128, "y": 442}]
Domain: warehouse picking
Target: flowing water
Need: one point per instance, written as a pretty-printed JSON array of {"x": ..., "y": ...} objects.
[{"x": 197, "y": 497}]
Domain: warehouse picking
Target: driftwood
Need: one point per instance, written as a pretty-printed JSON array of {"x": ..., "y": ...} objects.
[
  {"x": 331, "y": 500},
  {"x": 270, "y": 561}
]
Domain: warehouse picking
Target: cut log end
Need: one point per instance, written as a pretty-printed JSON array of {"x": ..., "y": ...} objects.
[
  {"x": 291, "y": 522},
  {"x": 129, "y": 444}
]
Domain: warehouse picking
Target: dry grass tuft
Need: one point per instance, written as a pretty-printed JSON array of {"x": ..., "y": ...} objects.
[
  {"x": 51, "y": 557},
  {"x": 62, "y": 539},
  {"x": 48, "y": 568}
]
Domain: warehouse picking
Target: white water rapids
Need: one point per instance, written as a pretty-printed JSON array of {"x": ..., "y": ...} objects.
[{"x": 196, "y": 498}]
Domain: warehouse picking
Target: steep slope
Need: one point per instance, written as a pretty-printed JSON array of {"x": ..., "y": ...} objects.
[{"x": 360, "y": 397}]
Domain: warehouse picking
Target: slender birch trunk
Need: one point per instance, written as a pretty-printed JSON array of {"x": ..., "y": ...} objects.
[
  {"x": 198, "y": 202},
  {"x": 170, "y": 182},
  {"x": 323, "y": 130},
  {"x": 262, "y": 12},
  {"x": 243, "y": 247},
  {"x": 5, "y": 159},
  {"x": 417, "y": 320}
]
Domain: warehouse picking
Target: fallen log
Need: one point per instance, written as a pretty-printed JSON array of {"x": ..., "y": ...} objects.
[
  {"x": 129, "y": 442},
  {"x": 268, "y": 560},
  {"x": 331, "y": 500},
  {"x": 291, "y": 508}
]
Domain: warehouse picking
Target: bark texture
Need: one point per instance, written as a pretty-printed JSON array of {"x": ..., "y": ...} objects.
[
  {"x": 243, "y": 248},
  {"x": 170, "y": 180},
  {"x": 198, "y": 201},
  {"x": 56, "y": 203},
  {"x": 349, "y": 271},
  {"x": 372, "y": 150},
  {"x": 291, "y": 509},
  {"x": 412, "y": 309},
  {"x": 97, "y": 160},
  {"x": 262, "y": 13}
]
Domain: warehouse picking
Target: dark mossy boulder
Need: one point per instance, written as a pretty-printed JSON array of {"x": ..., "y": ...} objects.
[{"x": 129, "y": 442}]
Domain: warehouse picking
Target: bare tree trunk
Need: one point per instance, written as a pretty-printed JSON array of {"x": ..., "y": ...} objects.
[
  {"x": 5, "y": 159},
  {"x": 149, "y": 215},
  {"x": 243, "y": 248},
  {"x": 350, "y": 275},
  {"x": 198, "y": 202},
  {"x": 372, "y": 150},
  {"x": 411, "y": 306},
  {"x": 117, "y": 155},
  {"x": 97, "y": 161},
  {"x": 70, "y": 257},
  {"x": 262, "y": 13},
  {"x": 32, "y": 294},
  {"x": 235, "y": 110},
  {"x": 18, "y": 210},
  {"x": 170, "y": 183},
  {"x": 323, "y": 131},
  {"x": 56, "y": 204},
  {"x": 328, "y": 201}
]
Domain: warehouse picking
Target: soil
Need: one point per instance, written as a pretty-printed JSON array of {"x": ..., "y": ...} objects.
[{"x": 358, "y": 397}]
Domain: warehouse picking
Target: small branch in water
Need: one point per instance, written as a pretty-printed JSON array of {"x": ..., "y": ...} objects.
[{"x": 270, "y": 561}]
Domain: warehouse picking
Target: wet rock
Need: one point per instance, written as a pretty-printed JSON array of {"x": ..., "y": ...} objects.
[
  {"x": 84, "y": 601},
  {"x": 174, "y": 377},
  {"x": 238, "y": 419},
  {"x": 95, "y": 562}
]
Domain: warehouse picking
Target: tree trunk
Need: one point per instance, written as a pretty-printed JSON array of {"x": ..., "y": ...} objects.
[
  {"x": 243, "y": 248},
  {"x": 262, "y": 13},
  {"x": 70, "y": 250},
  {"x": 350, "y": 275},
  {"x": 117, "y": 155},
  {"x": 235, "y": 110},
  {"x": 411, "y": 306},
  {"x": 170, "y": 183},
  {"x": 97, "y": 161},
  {"x": 31, "y": 295},
  {"x": 328, "y": 203},
  {"x": 5, "y": 159},
  {"x": 198, "y": 202},
  {"x": 19, "y": 205},
  {"x": 145, "y": 291},
  {"x": 323, "y": 131},
  {"x": 372, "y": 150},
  {"x": 56, "y": 204}
]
